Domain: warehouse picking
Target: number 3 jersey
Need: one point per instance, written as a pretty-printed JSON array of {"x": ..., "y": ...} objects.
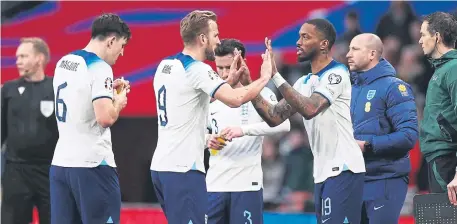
[
  {"x": 80, "y": 78},
  {"x": 183, "y": 88},
  {"x": 237, "y": 167}
]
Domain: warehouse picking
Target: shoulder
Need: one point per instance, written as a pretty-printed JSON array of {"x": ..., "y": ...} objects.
[
  {"x": 11, "y": 83},
  {"x": 198, "y": 66},
  {"x": 451, "y": 71},
  {"x": 300, "y": 81},
  {"x": 398, "y": 90},
  {"x": 338, "y": 70},
  {"x": 394, "y": 83},
  {"x": 187, "y": 62}
]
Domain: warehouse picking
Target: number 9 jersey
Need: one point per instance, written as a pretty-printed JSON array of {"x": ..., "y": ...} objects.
[
  {"x": 183, "y": 89},
  {"x": 80, "y": 78}
]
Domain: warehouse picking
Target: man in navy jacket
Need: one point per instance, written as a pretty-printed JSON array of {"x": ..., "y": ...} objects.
[{"x": 385, "y": 125}]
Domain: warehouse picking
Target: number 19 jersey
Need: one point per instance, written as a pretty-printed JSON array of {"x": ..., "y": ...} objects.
[{"x": 183, "y": 89}]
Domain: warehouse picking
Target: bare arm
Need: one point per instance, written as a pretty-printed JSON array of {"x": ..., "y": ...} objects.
[
  {"x": 106, "y": 111},
  {"x": 273, "y": 115},
  {"x": 239, "y": 96},
  {"x": 308, "y": 107}
]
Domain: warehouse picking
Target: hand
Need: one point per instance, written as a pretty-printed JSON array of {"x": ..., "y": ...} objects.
[
  {"x": 120, "y": 84},
  {"x": 120, "y": 99},
  {"x": 232, "y": 132},
  {"x": 245, "y": 78},
  {"x": 236, "y": 69},
  {"x": 361, "y": 145},
  {"x": 452, "y": 191},
  {"x": 272, "y": 56},
  {"x": 213, "y": 143},
  {"x": 266, "y": 68}
]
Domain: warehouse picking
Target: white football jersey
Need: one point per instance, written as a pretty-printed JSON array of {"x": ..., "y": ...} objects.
[
  {"x": 80, "y": 78},
  {"x": 237, "y": 167},
  {"x": 183, "y": 89},
  {"x": 330, "y": 133}
]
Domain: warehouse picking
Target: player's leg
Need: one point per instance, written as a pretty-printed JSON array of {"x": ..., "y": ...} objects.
[
  {"x": 364, "y": 219},
  {"x": 387, "y": 198},
  {"x": 185, "y": 196},
  {"x": 342, "y": 198},
  {"x": 317, "y": 201},
  {"x": 17, "y": 202},
  {"x": 218, "y": 207},
  {"x": 97, "y": 193},
  {"x": 63, "y": 204},
  {"x": 441, "y": 172},
  {"x": 39, "y": 180},
  {"x": 246, "y": 207},
  {"x": 158, "y": 189}
]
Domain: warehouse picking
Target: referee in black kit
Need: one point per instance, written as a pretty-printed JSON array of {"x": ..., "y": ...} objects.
[{"x": 29, "y": 129}]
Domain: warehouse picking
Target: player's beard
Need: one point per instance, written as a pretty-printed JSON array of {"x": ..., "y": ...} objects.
[
  {"x": 307, "y": 57},
  {"x": 209, "y": 54}
]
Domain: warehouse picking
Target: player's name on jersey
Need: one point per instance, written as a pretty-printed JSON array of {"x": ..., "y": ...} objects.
[{"x": 69, "y": 65}]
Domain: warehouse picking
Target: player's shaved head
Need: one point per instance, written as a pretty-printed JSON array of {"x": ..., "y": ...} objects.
[
  {"x": 371, "y": 42},
  {"x": 365, "y": 51}
]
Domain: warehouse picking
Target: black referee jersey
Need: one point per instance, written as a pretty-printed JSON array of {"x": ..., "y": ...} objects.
[{"x": 29, "y": 125}]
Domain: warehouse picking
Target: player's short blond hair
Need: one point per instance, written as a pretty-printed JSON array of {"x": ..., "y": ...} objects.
[
  {"x": 39, "y": 45},
  {"x": 194, "y": 24}
]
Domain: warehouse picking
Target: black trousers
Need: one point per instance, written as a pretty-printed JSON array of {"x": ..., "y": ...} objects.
[
  {"x": 25, "y": 186},
  {"x": 441, "y": 172}
]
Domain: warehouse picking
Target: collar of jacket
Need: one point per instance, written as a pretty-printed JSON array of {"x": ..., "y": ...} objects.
[
  {"x": 382, "y": 69},
  {"x": 436, "y": 63}
]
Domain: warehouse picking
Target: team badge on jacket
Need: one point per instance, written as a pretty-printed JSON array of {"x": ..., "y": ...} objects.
[
  {"x": 370, "y": 94},
  {"x": 402, "y": 89},
  {"x": 47, "y": 107}
]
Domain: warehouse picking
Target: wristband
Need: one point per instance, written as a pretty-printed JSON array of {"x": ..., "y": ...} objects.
[{"x": 278, "y": 80}]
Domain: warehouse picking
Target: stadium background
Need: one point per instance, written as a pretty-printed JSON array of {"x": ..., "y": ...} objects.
[{"x": 155, "y": 28}]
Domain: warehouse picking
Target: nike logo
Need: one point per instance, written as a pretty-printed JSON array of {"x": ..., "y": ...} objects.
[
  {"x": 376, "y": 208},
  {"x": 213, "y": 113},
  {"x": 325, "y": 220}
]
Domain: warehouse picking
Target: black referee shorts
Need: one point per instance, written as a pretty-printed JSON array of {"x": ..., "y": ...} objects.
[
  {"x": 25, "y": 186},
  {"x": 441, "y": 172}
]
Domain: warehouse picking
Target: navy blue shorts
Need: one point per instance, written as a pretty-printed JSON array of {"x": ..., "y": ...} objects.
[
  {"x": 235, "y": 207},
  {"x": 383, "y": 200},
  {"x": 84, "y": 195},
  {"x": 339, "y": 199},
  {"x": 182, "y": 196}
]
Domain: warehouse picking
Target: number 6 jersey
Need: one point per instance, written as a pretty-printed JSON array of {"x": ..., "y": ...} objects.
[
  {"x": 80, "y": 78},
  {"x": 183, "y": 88}
]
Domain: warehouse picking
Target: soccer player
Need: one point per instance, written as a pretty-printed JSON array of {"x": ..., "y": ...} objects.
[
  {"x": 234, "y": 178},
  {"x": 183, "y": 86},
  {"x": 84, "y": 181},
  {"x": 323, "y": 98},
  {"x": 438, "y": 131},
  {"x": 385, "y": 126}
]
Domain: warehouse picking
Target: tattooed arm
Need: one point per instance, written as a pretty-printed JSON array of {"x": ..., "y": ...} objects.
[
  {"x": 308, "y": 107},
  {"x": 273, "y": 114}
]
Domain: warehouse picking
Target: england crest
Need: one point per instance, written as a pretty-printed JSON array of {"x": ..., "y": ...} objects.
[
  {"x": 370, "y": 94},
  {"x": 47, "y": 107}
]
